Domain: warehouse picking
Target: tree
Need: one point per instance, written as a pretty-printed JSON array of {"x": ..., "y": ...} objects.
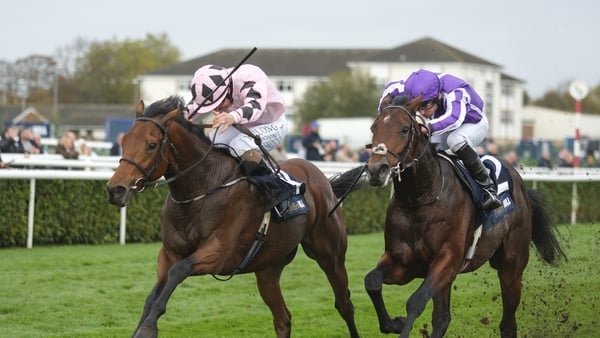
[
  {"x": 33, "y": 76},
  {"x": 342, "y": 94},
  {"x": 560, "y": 99},
  {"x": 106, "y": 72}
]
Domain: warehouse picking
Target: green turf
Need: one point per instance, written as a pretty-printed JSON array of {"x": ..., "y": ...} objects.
[{"x": 98, "y": 291}]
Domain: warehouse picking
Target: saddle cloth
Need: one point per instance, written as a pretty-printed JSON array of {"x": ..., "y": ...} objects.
[
  {"x": 500, "y": 176},
  {"x": 290, "y": 202}
]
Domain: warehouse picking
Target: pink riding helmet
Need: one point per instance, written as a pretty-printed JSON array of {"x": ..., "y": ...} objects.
[{"x": 209, "y": 88}]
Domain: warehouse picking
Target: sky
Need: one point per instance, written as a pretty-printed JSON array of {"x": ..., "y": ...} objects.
[{"x": 547, "y": 44}]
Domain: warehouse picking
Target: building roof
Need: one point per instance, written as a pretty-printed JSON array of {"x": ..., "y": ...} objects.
[
  {"x": 428, "y": 50},
  {"x": 295, "y": 62},
  {"x": 323, "y": 62}
]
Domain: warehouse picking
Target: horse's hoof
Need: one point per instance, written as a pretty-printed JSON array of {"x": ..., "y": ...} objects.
[
  {"x": 398, "y": 324},
  {"x": 394, "y": 326},
  {"x": 146, "y": 332}
]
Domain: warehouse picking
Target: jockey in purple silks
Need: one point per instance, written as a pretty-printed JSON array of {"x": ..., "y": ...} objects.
[{"x": 455, "y": 121}]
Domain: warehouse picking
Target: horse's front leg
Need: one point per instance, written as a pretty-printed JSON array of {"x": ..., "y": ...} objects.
[
  {"x": 440, "y": 317},
  {"x": 437, "y": 283},
  {"x": 156, "y": 303},
  {"x": 373, "y": 285},
  {"x": 149, "y": 300}
]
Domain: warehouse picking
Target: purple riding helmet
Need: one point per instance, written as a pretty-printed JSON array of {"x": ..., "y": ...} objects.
[{"x": 422, "y": 82}]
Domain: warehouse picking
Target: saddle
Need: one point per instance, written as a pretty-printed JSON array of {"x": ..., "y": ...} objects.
[
  {"x": 501, "y": 178},
  {"x": 289, "y": 203}
]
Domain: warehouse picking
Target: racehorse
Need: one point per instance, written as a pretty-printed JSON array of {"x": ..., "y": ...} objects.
[
  {"x": 213, "y": 218},
  {"x": 431, "y": 225}
]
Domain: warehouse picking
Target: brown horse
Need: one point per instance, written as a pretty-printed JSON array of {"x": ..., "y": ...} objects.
[
  {"x": 431, "y": 224},
  {"x": 213, "y": 215}
]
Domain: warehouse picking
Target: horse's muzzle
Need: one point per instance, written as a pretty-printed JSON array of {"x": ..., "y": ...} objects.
[
  {"x": 378, "y": 174},
  {"x": 118, "y": 195}
]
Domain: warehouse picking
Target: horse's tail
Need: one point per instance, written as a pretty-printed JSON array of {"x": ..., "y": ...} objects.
[
  {"x": 348, "y": 181},
  {"x": 544, "y": 233}
]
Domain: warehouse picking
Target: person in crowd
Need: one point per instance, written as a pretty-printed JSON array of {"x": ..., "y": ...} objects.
[
  {"x": 344, "y": 154},
  {"x": 10, "y": 142},
  {"x": 512, "y": 158},
  {"x": 545, "y": 161},
  {"x": 116, "y": 149},
  {"x": 491, "y": 148},
  {"x": 364, "y": 154},
  {"x": 312, "y": 143},
  {"x": 455, "y": 121},
  {"x": 565, "y": 158},
  {"x": 66, "y": 146},
  {"x": 330, "y": 151},
  {"x": 590, "y": 161},
  {"x": 30, "y": 141},
  {"x": 249, "y": 98}
]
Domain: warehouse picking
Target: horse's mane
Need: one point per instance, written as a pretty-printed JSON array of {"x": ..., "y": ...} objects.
[
  {"x": 166, "y": 105},
  {"x": 400, "y": 100}
]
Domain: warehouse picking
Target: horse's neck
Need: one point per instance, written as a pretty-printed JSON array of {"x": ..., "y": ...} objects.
[
  {"x": 421, "y": 181},
  {"x": 210, "y": 168}
]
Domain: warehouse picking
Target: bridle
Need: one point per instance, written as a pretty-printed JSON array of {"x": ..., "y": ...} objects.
[
  {"x": 161, "y": 157},
  {"x": 382, "y": 149}
]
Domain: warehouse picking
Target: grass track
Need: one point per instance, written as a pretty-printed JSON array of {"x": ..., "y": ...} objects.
[{"x": 98, "y": 291}]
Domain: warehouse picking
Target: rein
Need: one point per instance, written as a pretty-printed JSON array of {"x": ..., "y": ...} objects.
[
  {"x": 382, "y": 149},
  {"x": 158, "y": 182}
]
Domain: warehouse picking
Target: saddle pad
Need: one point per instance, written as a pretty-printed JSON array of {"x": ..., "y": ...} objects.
[
  {"x": 292, "y": 207},
  {"x": 501, "y": 178}
]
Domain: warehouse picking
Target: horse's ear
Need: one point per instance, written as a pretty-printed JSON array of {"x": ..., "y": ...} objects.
[
  {"x": 386, "y": 101},
  {"x": 139, "y": 109},
  {"x": 170, "y": 116},
  {"x": 414, "y": 103}
]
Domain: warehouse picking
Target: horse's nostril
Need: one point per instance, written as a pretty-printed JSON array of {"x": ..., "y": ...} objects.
[{"x": 115, "y": 192}]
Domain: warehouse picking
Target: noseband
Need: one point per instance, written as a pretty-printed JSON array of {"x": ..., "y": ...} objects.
[{"x": 382, "y": 149}]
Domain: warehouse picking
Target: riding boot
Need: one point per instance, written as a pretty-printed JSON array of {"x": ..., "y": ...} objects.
[
  {"x": 481, "y": 175},
  {"x": 276, "y": 188}
]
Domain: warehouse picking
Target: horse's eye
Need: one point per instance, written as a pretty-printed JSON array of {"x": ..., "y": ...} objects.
[
  {"x": 151, "y": 146},
  {"x": 405, "y": 130}
]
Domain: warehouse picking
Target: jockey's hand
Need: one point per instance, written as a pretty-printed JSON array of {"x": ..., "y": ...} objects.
[{"x": 223, "y": 120}]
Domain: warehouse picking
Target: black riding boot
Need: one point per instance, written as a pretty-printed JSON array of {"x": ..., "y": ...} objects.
[
  {"x": 273, "y": 187},
  {"x": 481, "y": 175}
]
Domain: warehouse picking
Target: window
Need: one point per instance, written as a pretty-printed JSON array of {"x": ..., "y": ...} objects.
[
  {"x": 284, "y": 86},
  {"x": 183, "y": 86},
  {"x": 506, "y": 116}
]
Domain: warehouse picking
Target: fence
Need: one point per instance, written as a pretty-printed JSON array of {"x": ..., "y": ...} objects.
[{"x": 101, "y": 168}]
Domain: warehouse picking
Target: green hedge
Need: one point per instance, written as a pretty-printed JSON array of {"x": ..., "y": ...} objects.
[{"x": 77, "y": 212}]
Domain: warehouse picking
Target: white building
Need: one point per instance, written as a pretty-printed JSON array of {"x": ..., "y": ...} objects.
[
  {"x": 295, "y": 70},
  {"x": 554, "y": 125}
]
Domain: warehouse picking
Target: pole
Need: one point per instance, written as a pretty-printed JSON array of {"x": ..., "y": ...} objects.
[
  {"x": 578, "y": 90},
  {"x": 576, "y": 143},
  {"x": 31, "y": 213},
  {"x": 55, "y": 96}
]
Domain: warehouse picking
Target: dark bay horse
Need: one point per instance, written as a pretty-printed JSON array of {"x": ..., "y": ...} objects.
[
  {"x": 212, "y": 215},
  {"x": 431, "y": 223}
]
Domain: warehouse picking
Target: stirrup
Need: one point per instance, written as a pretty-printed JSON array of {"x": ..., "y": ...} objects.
[{"x": 490, "y": 201}]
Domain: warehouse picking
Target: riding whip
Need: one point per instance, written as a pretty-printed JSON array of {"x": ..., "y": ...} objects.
[{"x": 223, "y": 81}]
